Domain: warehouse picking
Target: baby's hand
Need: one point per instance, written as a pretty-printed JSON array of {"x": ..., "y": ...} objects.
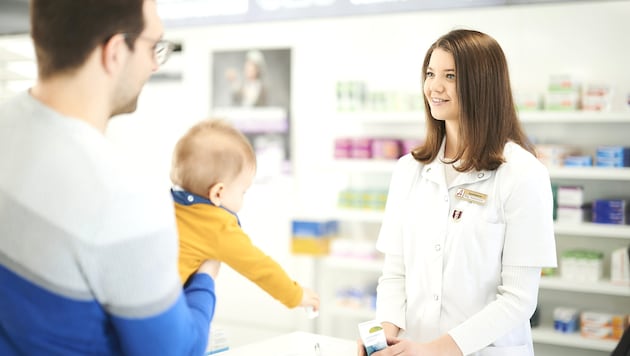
[{"x": 310, "y": 299}]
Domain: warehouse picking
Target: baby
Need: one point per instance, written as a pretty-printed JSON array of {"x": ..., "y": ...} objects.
[{"x": 213, "y": 166}]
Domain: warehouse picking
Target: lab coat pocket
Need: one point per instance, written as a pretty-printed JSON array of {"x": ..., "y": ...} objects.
[
  {"x": 521, "y": 350},
  {"x": 489, "y": 240}
]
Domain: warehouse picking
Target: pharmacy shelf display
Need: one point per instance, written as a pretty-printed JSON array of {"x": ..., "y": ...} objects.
[{"x": 591, "y": 233}]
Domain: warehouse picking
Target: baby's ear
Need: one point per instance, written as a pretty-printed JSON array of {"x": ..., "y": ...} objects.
[{"x": 215, "y": 192}]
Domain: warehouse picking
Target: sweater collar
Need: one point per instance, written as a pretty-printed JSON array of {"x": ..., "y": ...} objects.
[{"x": 183, "y": 197}]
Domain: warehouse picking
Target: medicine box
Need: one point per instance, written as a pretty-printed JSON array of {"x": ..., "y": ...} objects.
[
  {"x": 570, "y": 196},
  {"x": 620, "y": 266},
  {"x": 313, "y": 237},
  {"x": 565, "y": 320},
  {"x": 597, "y": 325},
  {"x": 610, "y": 211}
]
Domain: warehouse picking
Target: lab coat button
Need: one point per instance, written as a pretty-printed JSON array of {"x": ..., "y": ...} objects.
[
  {"x": 436, "y": 297},
  {"x": 428, "y": 169},
  {"x": 438, "y": 247},
  {"x": 480, "y": 175},
  {"x": 446, "y": 198}
]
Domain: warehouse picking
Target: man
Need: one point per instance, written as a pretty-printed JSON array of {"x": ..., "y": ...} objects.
[{"x": 88, "y": 250}]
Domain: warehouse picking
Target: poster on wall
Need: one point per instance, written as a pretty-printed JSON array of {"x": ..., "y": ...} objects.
[{"x": 252, "y": 89}]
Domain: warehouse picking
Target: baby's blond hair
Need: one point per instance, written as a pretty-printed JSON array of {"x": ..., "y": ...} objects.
[{"x": 212, "y": 151}]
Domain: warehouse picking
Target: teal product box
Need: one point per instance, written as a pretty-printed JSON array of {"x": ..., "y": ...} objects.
[{"x": 373, "y": 336}]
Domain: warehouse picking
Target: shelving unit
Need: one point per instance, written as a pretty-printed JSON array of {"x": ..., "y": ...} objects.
[
  {"x": 366, "y": 265},
  {"x": 336, "y": 318},
  {"x": 580, "y": 292},
  {"x": 587, "y": 129},
  {"x": 549, "y": 336},
  {"x": 600, "y": 287}
]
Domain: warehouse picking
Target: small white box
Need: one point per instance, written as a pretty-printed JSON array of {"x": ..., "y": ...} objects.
[
  {"x": 569, "y": 214},
  {"x": 620, "y": 267},
  {"x": 570, "y": 196}
]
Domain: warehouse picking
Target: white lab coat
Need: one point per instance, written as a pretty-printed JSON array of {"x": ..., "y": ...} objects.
[{"x": 453, "y": 250}]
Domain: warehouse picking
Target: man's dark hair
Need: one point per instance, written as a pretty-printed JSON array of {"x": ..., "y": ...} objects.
[{"x": 65, "y": 32}]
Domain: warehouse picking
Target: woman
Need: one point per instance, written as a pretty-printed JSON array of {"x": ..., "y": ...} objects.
[{"x": 468, "y": 222}]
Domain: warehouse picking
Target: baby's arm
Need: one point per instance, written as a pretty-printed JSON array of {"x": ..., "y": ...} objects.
[{"x": 236, "y": 249}]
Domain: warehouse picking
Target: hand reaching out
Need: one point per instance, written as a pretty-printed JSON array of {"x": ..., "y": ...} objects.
[{"x": 310, "y": 299}]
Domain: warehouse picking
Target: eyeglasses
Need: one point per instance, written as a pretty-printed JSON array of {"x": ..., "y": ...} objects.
[{"x": 162, "y": 49}]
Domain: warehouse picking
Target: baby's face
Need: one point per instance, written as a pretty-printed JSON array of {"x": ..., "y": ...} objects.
[{"x": 234, "y": 190}]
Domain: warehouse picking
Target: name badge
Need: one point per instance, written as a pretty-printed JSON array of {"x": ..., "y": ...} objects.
[{"x": 471, "y": 196}]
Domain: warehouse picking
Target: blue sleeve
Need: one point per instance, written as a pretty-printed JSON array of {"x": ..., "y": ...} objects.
[{"x": 182, "y": 329}]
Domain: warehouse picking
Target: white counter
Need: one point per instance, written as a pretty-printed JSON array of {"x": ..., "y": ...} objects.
[{"x": 297, "y": 343}]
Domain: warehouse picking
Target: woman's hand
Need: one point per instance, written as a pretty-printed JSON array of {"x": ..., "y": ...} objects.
[{"x": 442, "y": 346}]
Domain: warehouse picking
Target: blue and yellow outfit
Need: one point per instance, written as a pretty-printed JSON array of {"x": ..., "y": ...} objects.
[{"x": 207, "y": 231}]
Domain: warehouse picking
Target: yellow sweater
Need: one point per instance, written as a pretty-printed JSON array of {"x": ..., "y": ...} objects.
[{"x": 210, "y": 232}]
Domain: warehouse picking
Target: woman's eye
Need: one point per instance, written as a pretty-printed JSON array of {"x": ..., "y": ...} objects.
[
  {"x": 450, "y": 76},
  {"x": 429, "y": 74}
]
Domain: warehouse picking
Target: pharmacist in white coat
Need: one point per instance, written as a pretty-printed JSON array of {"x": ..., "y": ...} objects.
[{"x": 468, "y": 223}]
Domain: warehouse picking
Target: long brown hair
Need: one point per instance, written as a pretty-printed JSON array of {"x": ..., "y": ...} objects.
[
  {"x": 65, "y": 32},
  {"x": 488, "y": 118}
]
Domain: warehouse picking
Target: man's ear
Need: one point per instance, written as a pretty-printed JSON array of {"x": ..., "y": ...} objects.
[
  {"x": 114, "y": 52},
  {"x": 215, "y": 192}
]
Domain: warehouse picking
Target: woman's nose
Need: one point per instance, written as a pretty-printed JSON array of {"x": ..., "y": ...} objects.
[{"x": 436, "y": 84}]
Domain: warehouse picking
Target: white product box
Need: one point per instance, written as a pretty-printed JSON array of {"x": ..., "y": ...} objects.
[
  {"x": 620, "y": 267},
  {"x": 569, "y": 214},
  {"x": 570, "y": 196}
]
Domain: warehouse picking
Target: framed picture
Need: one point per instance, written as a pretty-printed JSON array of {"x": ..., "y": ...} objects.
[{"x": 252, "y": 89}]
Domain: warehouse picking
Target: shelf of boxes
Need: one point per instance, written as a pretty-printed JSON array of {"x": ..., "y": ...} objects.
[
  {"x": 547, "y": 335},
  {"x": 382, "y": 117},
  {"x": 350, "y": 263},
  {"x": 600, "y": 287},
  {"x": 586, "y": 117},
  {"x": 359, "y": 215},
  {"x": 584, "y": 173},
  {"x": 593, "y": 230},
  {"x": 599, "y": 175},
  {"x": 364, "y": 165},
  {"x": 590, "y": 173},
  {"x": 582, "y": 229},
  {"x": 539, "y": 116}
]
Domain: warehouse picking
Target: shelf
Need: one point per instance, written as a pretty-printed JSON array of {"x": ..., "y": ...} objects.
[
  {"x": 368, "y": 265},
  {"x": 351, "y": 312},
  {"x": 387, "y": 166},
  {"x": 595, "y": 173},
  {"x": 545, "y": 117},
  {"x": 584, "y": 229},
  {"x": 382, "y": 117},
  {"x": 364, "y": 165},
  {"x": 542, "y": 117},
  {"x": 546, "y": 335},
  {"x": 359, "y": 215},
  {"x": 601, "y": 287},
  {"x": 593, "y": 230}
]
